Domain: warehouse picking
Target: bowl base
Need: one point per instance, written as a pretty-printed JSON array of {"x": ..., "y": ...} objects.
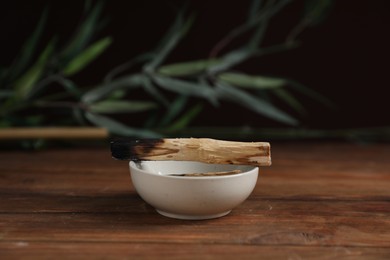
[{"x": 192, "y": 217}]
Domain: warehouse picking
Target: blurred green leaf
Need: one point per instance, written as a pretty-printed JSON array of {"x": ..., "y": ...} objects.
[
  {"x": 78, "y": 115},
  {"x": 116, "y": 94},
  {"x": 99, "y": 93},
  {"x": 258, "y": 36},
  {"x": 127, "y": 65},
  {"x": 187, "y": 88},
  {"x": 151, "y": 121},
  {"x": 6, "y": 93},
  {"x": 255, "y": 20},
  {"x": 249, "y": 81},
  {"x": 174, "y": 109},
  {"x": 257, "y": 105},
  {"x": 120, "y": 106},
  {"x": 311, "y": 93},
  {"x": 87, "y": 56},
  {"x": 185, "y": 119},
  {"x": 28, "y": 50},
  {"x": 316, "y": 11},
  {"x": 173, "y": 37},
  {"x": 231, "y": 59},
  {"x": 154, "y": 92},
  {"x": 24, "y": 85},
  {"x": 156, "y": 79},
  {"x": 253, "y": 9},
  {"x": 115, "y": 127},
  {"x": 84, "y": 34},
  {"x": 270, "y": 9},
  {"x": 69, "y": 86},
  {"x": 262, "y": 25},
  {"x": 290, "y": 100},
  {"x": 187, "y": 68}
]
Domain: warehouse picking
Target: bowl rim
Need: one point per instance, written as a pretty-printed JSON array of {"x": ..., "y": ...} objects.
[{"x": 253, "y": 169}]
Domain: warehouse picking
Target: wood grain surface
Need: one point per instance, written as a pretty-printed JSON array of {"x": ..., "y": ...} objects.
[{"x": 317, "y": 201}]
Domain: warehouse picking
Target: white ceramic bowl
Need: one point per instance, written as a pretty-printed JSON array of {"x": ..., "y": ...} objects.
[{"x": 192, "y": 197}]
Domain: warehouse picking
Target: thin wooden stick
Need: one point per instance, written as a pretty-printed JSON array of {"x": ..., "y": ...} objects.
[
  {"x": 192, "y": 149},
  {"x": 53, "y": 133}
]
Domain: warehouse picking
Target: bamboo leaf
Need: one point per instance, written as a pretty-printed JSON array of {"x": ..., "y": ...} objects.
[
  {"x": 253, "y": 9},
  {"x": 154, "y": 92},
  {"x": 187, "y": 68},
  {"x": 187, "y": 88},
  {"x": 84, "y": 34},
  {"x": 25, "y": 84},
  {"x": 249, "y": 81},
  {"x": 253, "y": 21},
  {"x": 257, "y": 105},
  {"x": 173, "y": 37},
  {"x": 69, "y": 86},
  {"x": 99, "y": 93},
  {"x": 271, "y": 8},
  {"x": 127, "y": 65},
  {"x": 151, "y": 121},
  {"x": 87, "y": 56},
  {"x": 116, "y": 94},
  {"x": 316, "y": 11},
  {"x": 290, "y": 100},
  {"x": 311, "y": 93},
  {"x": 231, "y": 59},
  {"x": 28, "y": 49},
  {"x": 258, "y": 36},
  {"x": 184, "y": 120},
  {"x": 174, "y": 110},
  {"x": 115, "y": 127},
  {"x": 259, "y": 32},
  {"x": 120, "y": 106},
  {"x": 78, "y": 116}
]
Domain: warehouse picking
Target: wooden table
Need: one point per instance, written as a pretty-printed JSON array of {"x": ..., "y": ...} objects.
[{"x": 317, "y": 201}]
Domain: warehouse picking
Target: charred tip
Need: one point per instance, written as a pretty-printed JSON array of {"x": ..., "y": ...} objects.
[
  {"x": 133, "y": 150},
  {"x": 121, "y": 150}
]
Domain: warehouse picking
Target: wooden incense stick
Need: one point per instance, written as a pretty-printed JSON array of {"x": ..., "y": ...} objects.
[{"x": 194, "y": 149}]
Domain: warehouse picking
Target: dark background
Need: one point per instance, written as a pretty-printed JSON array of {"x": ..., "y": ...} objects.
[{"x": 345, "y": 58}]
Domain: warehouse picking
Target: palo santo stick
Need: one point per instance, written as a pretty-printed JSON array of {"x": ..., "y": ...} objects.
[
  {"x": 203, "y": 174},
  {"x": 193, "y": 149}
]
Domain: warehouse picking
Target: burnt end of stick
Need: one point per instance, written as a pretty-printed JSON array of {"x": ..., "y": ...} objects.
[
  {"x": 133, "y": 149},
  {"x": 145, "y": 146},
  {"x": 120, "y": 150}
]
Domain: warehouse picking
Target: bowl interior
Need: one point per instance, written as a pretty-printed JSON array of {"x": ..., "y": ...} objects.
[{"x": 180, "y": 167}]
